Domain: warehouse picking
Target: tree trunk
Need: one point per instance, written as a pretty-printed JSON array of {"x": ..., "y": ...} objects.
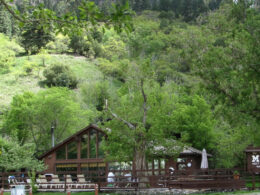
[{"x": 140, "y": 168}]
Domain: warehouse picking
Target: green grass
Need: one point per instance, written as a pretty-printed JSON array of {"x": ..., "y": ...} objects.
[
  {"x": 63, "y": 193},
  {"x": 92, "y": 193},
  {"x": 17, "y": 82}
]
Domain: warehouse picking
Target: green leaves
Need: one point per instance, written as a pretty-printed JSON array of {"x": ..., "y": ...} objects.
[
  {"x": 15, "y": 157},
  {"x": 31, "y": 117}
]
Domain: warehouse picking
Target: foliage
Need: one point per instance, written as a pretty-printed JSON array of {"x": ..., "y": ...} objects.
[
  {"x": 32, "y": 175},
  {"x": 8, "y": 50},
  {"x": 145, "y": 114},
  {"x": 114, "y": 48},
  {"x": 80, "y": 45},
  {"x": 15, "y": 157},
  {"x": 60, "y": 75},
  {"x": 116, "y": 69},
  {"x": 31, "y": 117},
  {"x": 95, "y": 93},
  {"x": 59, "y": 45},
  {"x": 76, "y": 16},
  {"x": 34, "y": 38}
]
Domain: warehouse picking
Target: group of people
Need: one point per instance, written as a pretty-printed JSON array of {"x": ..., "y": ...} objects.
[{"x": 111, "y": 179}]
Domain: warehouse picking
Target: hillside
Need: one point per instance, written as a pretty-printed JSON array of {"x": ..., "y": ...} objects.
[
  {"x": 17, "y": 81},
  {"x": 191, "y": 77}
]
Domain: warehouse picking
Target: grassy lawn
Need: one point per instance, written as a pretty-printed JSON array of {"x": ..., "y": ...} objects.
[{"x": 17, "y": 82}]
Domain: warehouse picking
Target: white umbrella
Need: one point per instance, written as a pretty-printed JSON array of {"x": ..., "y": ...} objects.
[{"x": 204, "y": 160}]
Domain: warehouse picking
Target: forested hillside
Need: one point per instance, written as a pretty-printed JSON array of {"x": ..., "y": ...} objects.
[{"x": 176, "y": 67}]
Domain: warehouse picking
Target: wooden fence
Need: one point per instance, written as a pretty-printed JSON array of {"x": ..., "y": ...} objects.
[{"x": 217, "y": 179}]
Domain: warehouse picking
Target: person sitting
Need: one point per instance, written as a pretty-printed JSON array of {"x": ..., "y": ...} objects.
[
  {"x": 110, "y": 179},
  {"x": 11, "y": 179},
  {"x": 128, "y": 178}
]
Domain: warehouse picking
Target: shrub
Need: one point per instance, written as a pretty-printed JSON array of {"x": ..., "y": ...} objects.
[
  {"x": 7, "y": 58},
  {"x": 116, "y": 69},
  {"x": 28, "y": 67},
  {"x": 59, "y": 45},
  {"x": 60, "y": 75},
  {"x": 80, "y": 45},
  {"x": 8, "y": 50}
]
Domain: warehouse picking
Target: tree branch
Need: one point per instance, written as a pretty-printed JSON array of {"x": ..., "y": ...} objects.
[
  {"x": 130, "y": 125},
  {"x": 11, "y": 11},
  {"x": 145, "y": 102}
]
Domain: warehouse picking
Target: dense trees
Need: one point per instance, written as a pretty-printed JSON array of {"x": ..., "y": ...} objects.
[
  {"x": 176, "y": 73},
  {"x": 31, "y": 117}
]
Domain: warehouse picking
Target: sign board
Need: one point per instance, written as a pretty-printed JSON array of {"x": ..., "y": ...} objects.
[{"x": 253, "y": 159}]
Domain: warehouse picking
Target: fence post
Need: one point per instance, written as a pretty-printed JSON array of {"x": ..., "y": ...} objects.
[
  {"x": 253, "y": 182},
  {"x": 68, "y": 192},
  {"x": 3, "y": 180},
  {"x": 96, "y": 189},
  {"x": 65, "y": 184},
  {"x": 30, "y": 191}
]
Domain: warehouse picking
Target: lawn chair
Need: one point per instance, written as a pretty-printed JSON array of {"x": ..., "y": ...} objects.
[
  {"x": 69, "y": 182},
  {"x": 28, "y": 182},
  {"x": 82, "y": 183},
  {"x": 42, "y": 182},
  {"x": 56, "y": 183}
]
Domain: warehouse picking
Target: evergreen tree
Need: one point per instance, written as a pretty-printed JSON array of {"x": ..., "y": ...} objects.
[{"x": 5, "y": 22}]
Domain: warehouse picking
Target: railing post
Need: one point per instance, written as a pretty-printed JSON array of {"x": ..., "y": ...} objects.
[
  {"x": 96, "y": 189},
  {"x": 68, "y": 192},
  {"x": 3, "y": 180},
  {"x": 30, "y": 191},
  {"x": 253, "y": 182},
  {"x": 65, "y": 183}
]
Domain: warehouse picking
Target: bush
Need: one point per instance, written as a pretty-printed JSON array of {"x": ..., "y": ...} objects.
[
  {"x": 60, "y": 75},
  {"x": 80, "y": 45},
  {"x": 8, "y": 50},
  {"x": 59, "y": 45},
  {"x": 28, "y": 67},
  {"x": 7, "y": 58},
  {"x": 116, "y": 69}
]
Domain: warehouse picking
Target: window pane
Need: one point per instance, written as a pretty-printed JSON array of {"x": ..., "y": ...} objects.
[
  {"x": 72, "y": 150},
  {"x": 101, "y": 152},
  {"x": 162, "y": 164},
  {"x": 61, "y": 153},
  {"x": 93, "y": 170},
  {"x": 84, "y": 146},
  {"x": 66, "y": 167},
  {"x": 93, "y": 147}
]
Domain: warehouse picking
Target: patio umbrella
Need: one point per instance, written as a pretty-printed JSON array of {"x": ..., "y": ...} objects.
[{"x": 204, "y": 160}]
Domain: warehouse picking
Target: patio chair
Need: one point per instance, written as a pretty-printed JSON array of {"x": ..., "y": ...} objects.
[
  {"x": 82, "y": 183},
  {"x": 28, "y": 182},
  {"x": 69, "y": 182},
  {"x": 56, "y": 183},
  {"x": 42, "y": 182}
]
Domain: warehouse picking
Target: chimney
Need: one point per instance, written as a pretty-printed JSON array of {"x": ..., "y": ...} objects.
[{"x": 52, "y": 136}]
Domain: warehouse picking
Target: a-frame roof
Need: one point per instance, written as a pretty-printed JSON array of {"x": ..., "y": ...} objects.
[{"x": 91, "y": 126}]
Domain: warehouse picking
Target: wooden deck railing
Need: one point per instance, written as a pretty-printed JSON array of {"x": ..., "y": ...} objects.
[{"x": 198, "y": 179}]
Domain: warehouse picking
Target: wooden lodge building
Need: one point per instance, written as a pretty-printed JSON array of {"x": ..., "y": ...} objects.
[{"x": 81, "y": 154}]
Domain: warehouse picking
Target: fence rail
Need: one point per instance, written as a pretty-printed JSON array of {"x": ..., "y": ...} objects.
[{"x": 197, "y": 179}]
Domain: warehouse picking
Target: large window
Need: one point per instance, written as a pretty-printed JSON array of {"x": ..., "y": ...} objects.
[
  {"x": 61, "y": 153},
  {"x": 101, "y": 152},
  {"x": 93, "y": 144},
  {"x": 84, "y": 146},
  {"x": 72, "y": 150},
  {"x": 94, "y": 171},
  {"x": 66, "y": 167}
]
